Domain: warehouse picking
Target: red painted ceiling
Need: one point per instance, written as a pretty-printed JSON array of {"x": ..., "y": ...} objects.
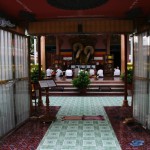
[{"x": 43, "y": 11}]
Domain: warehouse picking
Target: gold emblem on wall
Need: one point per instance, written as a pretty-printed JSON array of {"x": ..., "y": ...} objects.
[
  {"x": 83, "y": 48},
  {"x": 82, "y": 54}
]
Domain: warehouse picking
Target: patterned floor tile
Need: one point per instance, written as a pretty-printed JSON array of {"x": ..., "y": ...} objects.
[
  {"x": 81, "y": 134},
  {"x": 89, "y": 143},
  {"x": 71, "y": 135}
]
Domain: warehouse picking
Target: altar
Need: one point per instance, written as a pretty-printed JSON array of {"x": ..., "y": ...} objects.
[{"x": 84, "y": 66}]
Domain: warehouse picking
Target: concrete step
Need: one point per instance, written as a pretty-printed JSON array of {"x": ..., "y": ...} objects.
[
  {"x": 94, "y": 89},
  {"x": 91, "y": 93}
]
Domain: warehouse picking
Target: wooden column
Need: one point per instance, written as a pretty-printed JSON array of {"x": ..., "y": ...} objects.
[
  {"x": 40, "y": 103},
  {"x": 43, "y": 52},
  {"x": 125, "y": 101},
  {"x": 122, "y": 53}
]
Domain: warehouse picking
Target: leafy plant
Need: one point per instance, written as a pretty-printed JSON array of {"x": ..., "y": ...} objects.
[
  {"x": 35, "y": 74},
  {"x": 129, "y": 76},
  {"x": 82, "y": 81}
]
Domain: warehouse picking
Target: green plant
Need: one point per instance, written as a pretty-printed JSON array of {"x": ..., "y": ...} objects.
[
  {"x": 35, "y": 74},
  {"x": 82, "y": 81},
  {"x": 129, "y": 76}
]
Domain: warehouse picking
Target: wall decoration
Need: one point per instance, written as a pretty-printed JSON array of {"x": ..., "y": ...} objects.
[
  {"x": 83, "y": 48},
  {"x": 81, "y": 54}
]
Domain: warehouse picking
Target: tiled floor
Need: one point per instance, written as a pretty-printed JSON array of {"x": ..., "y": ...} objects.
[
  {"x": 81, "y": 135},
  {"x": 78, "y": 135}
]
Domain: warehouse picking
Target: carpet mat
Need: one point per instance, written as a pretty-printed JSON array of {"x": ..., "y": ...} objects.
[
  {"x": 99, "y": 117},
  {"x": 132, "y": 131},
  {"x": 42, "y": 110},
  {"x": 28, "y": 136}
]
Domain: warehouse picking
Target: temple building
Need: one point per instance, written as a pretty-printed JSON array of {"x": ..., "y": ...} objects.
[{"x": 41, "y": 103}]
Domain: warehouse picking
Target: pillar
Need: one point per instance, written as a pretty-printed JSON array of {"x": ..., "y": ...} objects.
[
  {"x": 122, "y": 53},
  {"x": 125, "y": 39},
  {"x": 40, "y": 102},
  {"x": 43, "y": 52}
]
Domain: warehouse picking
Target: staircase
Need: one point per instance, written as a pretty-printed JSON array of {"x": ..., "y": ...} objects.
[{"x": 98, "y": 87}]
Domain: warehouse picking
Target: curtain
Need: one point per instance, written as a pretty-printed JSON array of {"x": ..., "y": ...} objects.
[
  {"x": 14, "y": 94},
  {"x": 5, "y": 55},
  {"x": 141, "y": 97},
  {"x": 22, "y": 99},
  {"x": 7, "y": 119},
  {"x": 7, "y": 116}
]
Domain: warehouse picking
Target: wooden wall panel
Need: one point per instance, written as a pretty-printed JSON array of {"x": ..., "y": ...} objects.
[{"x": 88, "y": 26}]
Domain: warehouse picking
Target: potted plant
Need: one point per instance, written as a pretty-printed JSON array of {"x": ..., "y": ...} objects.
[
  {"x": 35, "y": 74},
  {"x": 129, "y": 76},
  {"x": 82, "y": 81},
  {"x": 129, "y": 79}
]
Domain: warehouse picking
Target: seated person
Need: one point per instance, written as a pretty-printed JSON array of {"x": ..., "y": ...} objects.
[
  {"x": 49, "y": 72},
  {"x": 91, "y": 72},
  {"x": 53, "y": 74},
  {"x": 59, "y": 72},
  {"x": 117, "y": 72},
  {"x": 69, "y": 73},
  {"x": 100, "y": 73},
  {"x": 76, "y": 71}
]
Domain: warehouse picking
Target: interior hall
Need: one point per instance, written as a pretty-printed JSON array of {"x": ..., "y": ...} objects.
[{"x": 74, "y": 75}]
